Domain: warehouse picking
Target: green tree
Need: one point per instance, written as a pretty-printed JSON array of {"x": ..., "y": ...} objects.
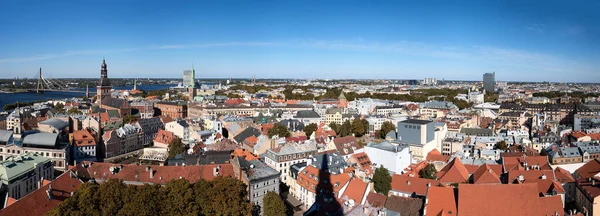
[
  {"x": 176, "y": 147},
  {"x": 358, "y": 128},
  {"x": 279, "y": 130},
  {"x": 386, "y": 127},
  {"x": 346, "y": 129},
  {"x": 273, "y": 205},
  {"x": 310, "y": 129},
  {"x": 59, "y": 108},
  {"x": 181, "y": 194},
  {"x": 335, "y": 127},
  {"x": 428, "y": 172},
  {"x": 501, "y": 145},
  {"x": 74, "y": 111},
  {"x": 382, "y": 180}
]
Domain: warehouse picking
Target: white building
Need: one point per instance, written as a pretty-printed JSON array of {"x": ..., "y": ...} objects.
[
  {"x": 180, "y": 129},
  {"x": 392, "y": 156}
]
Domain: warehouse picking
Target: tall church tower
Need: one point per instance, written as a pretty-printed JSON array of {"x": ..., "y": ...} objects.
[{"x": 104, "y": 87}]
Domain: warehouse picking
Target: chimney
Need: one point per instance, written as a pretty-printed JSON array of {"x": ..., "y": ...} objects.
[
  {"x": 408, "y": 183},
  {"x": 49, "y": 192},
  {"x": 151, "y": 173}
]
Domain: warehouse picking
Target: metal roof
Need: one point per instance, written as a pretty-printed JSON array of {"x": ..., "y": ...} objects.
[
  {"x": 41, "y": 139},
  {"x": 5, "y": 135},
  {"x": 56, "y": 123},
  {"x": 16, "y": 166}
]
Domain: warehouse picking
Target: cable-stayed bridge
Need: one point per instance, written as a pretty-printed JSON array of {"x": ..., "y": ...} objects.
[{"x": 52, "y": 85}]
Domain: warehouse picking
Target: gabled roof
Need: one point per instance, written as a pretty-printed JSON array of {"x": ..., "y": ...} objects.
[
  {"x": 441, "y": 200},
  {"x": 164, "y": 136},
  {"x": 376, "y": 199},
  {"x": 356, "y": 190},
  {"x": 114, "y": 102},
  {"x": 435, "y": 155},
  {"x": 409, "y": 185},
  {"x": 563, "y": 176},
  {"x": 454, "y": 172},
  {"x": 83, "y": 138},
  {"x": 162, "y": 174},
  {"x": 364, "y": 162},
  {"x": 404, "y": 205},
  {"x": 485, "y": 174},
  {"x": 248, "y": 132},
  {"x": 589, "y": 169},
  {"x": 499, "y": 199},
  {"x": 529, "y": 176},
  {"x": 346, "y": 145}
]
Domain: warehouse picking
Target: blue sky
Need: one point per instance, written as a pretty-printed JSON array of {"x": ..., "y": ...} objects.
[{"x": 519, "y": 40}]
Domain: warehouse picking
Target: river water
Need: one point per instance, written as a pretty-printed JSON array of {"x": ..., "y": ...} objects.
[{"x": 7, "y": 98}]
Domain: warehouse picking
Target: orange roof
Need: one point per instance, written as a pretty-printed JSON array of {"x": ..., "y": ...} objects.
[
  {"x": 589, "y": 169},
  {"x": 10, "y": 201},
  {"x": 518, "y": 162},
  {"x": 407, "y": 184},
  {"x": 552, "y": 205},
  {"x": 529, "y": 176},
  {"x": 499, "y": 199},
  {"x": 165, "y": 137},
  {"x": 485, "y": 174},
  {"x": 45, "y": 182},
  {"x": 309, "y": 179},
  {"x": 251, "y": 141},
  {"x": 265, "y": 127},
  {"x": 454, "y": 172},
  {"x": 594, "y": 136},
  {"x": 356, "y": 190},
  {"x": 578, "y": 134},
  {"x": 435, "y": 155},
  {"x": 563, "y": 176},
  {"x": 37, "y": 202},
  {"x": 548, "y": 186},
  {"x": 162, "y": 174},
  {"x": 363, "y": 161},
  {"x": 414, "y": 169},
  {"x": 83, "y": 138},
  {"x": 441, "y": 200},
  {"x": 245, "y": 154},
  {"x": 135, "y": 92}
]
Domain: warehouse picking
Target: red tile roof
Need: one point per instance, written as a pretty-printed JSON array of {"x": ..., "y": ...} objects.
[
  {"x": 441, "y": 200},
  {"x": 165, "y": 137},
  {"x": 363, "y": 161},
  {"x": 409, "y": 185},
  {"x": 589, "y": 169},
  {"x": 162, "y": 174},
  {"x": 83, "y": 138},
  {"x": 37, "y": 202},
  {"x": 310, "y": 174},
  {"x": 415, "y": 169},
  {"x": 552, "y": 205},
  {"x": 499, "y": 199},
  {"x": 529, "y": 176},
  {"x": 376, "y": 199},
  {"x": 245, "y": 154},
  {"x": 454, "y": 172},
  {"x": 435, "y": 155},
  {"x": 485, "y": 174},
  {"x": 594, "y": 136},
  {"x": 356, "y": 190},
  {"x": 563, "y": 176}
]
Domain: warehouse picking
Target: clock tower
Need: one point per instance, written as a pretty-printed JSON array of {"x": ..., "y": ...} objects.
[{"x": 104, "y": 87}]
